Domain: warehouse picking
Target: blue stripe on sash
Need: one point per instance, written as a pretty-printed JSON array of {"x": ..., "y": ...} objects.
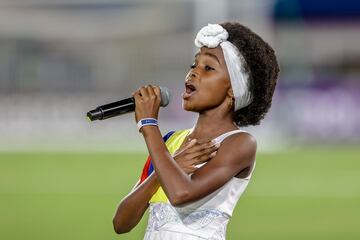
[{"x": 165, "y": 138}]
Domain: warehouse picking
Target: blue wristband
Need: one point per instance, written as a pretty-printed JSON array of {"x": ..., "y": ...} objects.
[{"x": 147, "y": 122}]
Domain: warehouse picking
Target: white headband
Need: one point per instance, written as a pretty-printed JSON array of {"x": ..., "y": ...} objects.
[{"x": 214, "y": 35}]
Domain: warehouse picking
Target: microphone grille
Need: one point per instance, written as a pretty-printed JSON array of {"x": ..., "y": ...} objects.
[{"x": 165, "y": 96}]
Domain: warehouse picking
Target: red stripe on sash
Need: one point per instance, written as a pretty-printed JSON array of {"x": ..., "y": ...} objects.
[{"x": 145, "y": 170}]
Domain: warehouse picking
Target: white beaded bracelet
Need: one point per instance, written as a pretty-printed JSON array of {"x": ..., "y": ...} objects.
[{"x": 147, "y": 122}]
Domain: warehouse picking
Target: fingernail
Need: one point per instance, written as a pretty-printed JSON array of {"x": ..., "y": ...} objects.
[
  {"x": 213, "y": 154},
  {"x": 215, "y": 143},
  {"x": 193, "y": 140}
]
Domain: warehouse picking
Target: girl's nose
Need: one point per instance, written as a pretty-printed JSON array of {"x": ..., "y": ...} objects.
[{"x": 194, "y": 74}]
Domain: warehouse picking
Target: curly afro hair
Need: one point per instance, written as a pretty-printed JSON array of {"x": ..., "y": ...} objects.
[{"x": 262, "y": 67}]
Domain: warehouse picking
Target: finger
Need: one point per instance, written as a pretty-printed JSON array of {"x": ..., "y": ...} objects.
[
  {"x": 205, "y": 141},
  {"x": 137, "y": 95},
  {"x": 213, "y": 154},
  {"x": 196, "y": 147},
  {"x": 204, "y": 152},
  {"x": 187, "y": 146},
  {"x": 157, "y": 91},
  {"x": 205, "y": 158},
  {"x": 144, "y": 93},
  {"x": 211, "y": 143},
  {"x": 210, "y": 150},
  {"x": 151, "y": 92},
  {"x": 202, "y": 159},
  {"x": 190, "y": 169},
  {"x": 190, "y": 144},
  {"x": 201, "y": 147}
]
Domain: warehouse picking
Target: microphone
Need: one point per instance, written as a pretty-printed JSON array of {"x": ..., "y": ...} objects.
[{"x": 123, "y": 106}]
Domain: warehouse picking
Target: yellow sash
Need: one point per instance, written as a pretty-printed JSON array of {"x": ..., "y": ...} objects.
[{"x": 172, "y": 144}]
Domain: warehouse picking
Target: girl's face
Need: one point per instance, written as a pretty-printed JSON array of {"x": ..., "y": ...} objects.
[{"x": 207, "y": 84}]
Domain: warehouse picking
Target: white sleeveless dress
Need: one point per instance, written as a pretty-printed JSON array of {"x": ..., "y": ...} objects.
[{"x": 205, "y": 218}]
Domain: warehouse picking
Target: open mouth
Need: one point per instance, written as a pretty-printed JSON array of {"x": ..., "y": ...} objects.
[{"x": 189, "y": 88}]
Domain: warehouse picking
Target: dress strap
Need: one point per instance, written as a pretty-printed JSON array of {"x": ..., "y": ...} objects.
[{"x": 221, "y": 138}]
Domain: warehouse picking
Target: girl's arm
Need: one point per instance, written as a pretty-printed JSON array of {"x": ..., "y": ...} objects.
[
  {"x": 236, "y": 154},
  {"x": 133, "y": 206}
]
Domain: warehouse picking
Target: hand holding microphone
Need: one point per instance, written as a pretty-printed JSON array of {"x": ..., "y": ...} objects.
[
  {"x": 147, "y": 99},
  {"x": 147, "y": 102}
]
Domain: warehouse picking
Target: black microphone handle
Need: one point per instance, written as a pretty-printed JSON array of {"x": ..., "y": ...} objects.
[
  {"x": 123, "y": 106},
  {"x": 112, "y": 109}
]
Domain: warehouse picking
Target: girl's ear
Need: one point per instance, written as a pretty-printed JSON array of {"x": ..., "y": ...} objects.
[
  {"x": 230, "y": 98},
  {"x": 230, "y": 93}
]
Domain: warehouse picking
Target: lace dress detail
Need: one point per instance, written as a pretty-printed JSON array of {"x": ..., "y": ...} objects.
[
  {"x": 161, "y": 214},
  {"x": 164, "y": 216}
]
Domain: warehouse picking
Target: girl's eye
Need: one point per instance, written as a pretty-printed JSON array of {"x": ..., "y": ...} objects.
[{"x": 208, "y": 68}]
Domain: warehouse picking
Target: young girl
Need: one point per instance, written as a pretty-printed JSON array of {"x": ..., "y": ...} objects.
[{"x": 193, "y": 180}]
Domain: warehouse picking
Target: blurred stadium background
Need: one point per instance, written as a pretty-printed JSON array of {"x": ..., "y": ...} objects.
[{"x": 61, "y": 177}]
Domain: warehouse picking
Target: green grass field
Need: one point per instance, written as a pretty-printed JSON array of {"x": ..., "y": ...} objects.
[{"x": 303, "y": 194}]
